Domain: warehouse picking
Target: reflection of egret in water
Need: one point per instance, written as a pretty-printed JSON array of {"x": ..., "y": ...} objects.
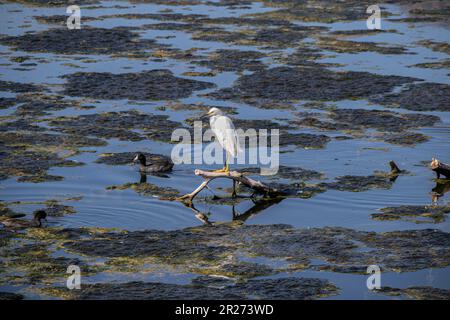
[
  {"x": 439, "y": 190},
  {"x": 203, "y": 217},
  {"x": 258, "y": 206},
  {"x": 430, "y": 277}
]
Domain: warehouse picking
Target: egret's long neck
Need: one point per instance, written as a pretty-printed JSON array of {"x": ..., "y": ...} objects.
[{"x": 212, "y": 120}]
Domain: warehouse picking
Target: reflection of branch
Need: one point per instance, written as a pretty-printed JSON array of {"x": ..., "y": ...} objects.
[
  {"x": 439, "y": 190},
  {"x": 258, "y": 206},
  {"x": 239, "y": 177}
]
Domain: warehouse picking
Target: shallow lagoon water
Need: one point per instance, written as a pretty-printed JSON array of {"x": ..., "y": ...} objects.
[{"x": 125, "y": 209}]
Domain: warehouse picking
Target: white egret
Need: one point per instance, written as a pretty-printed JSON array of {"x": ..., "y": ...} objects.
[{"x": 226, "y": 135}]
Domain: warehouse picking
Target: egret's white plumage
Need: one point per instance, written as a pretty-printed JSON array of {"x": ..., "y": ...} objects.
[{"x": 225, "y": 133}]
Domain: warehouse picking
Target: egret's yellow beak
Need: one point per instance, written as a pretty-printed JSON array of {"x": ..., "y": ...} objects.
[{"x": 206, "y": 115}]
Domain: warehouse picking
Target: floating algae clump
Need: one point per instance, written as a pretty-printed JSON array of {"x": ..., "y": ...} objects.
[
  {"x": 382, "y": 120},
  {"x": 82, "y": 41},
  {"x": 40, "y": 178},
  {"x": 5, "y": 211},
  {"x": 287, "y": 83},
  {"x": 304, "y": 140},
  {"x": 121, "y": 125},
  {"x": 443, "y": 64},
  {"x": 358, "y": 183},
  {"x": 344, "y": 46},
  {"x": 55, "y": 3},
  {"x": 287, "y": 172},
  {"x": 218, "y": 250},
  {"x": 405, "y": 138},
  {"x": 57, "y": 210},
  {"x": 356, "y": 121},
  {"x": 207, "y": 245},
  {"x": 417, "y": 293},
  {"x": 418, "y": 97},
  {"x": 10, "y": 296},
  {"x": 36, "y": 104},
  {"x": 309, "y": 11},
  {"x": 239, "y": 270},
  {"x": 283, "y": 288},
  {"x": 31, "y": 164},
  {"x": 19, "y": 86},
  {"x": 436, "y": 46},
  {"x": 278, "y": 37},
  {"x": 148, "y": 189},
  {"x": 233, "y": 60},
  {"x": 145, "y": 85},
  {"x": 418, "y": 214},
  {"x": 30, "y": 155},
  {"x": 33, "y": 263}
]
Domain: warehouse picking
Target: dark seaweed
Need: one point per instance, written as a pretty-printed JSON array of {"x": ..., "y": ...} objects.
[
  {"x": 283, "y": 288},
  {"x": 233, "y": 60},
  {"x": 120, "y": 125},
  {"x": 19, "y": 87},
  {"x": 146, "y": 85},
  {"x": 418, "y": 214},
  {"x": 358, "y": 183},
  {"x": 417, "y": 293},
  {"x": 81, "y": 41},
  {"x": 396, "y": 251},
  {"x": 285, "y": 83},
  {"x": 419, "y": 97}
]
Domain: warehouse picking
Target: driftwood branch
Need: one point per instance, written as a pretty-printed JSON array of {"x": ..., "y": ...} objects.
[
  {"x": 440, "y": 168},
  {"x": 237, "y": 177}
]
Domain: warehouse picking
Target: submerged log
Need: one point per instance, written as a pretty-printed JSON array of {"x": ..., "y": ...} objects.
[
  {"x": 394, "y": 168},
  {"x": 440, "y": 168},
  {"x": 395, "y": 171},
  {"x": 237, "y": 177}
]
